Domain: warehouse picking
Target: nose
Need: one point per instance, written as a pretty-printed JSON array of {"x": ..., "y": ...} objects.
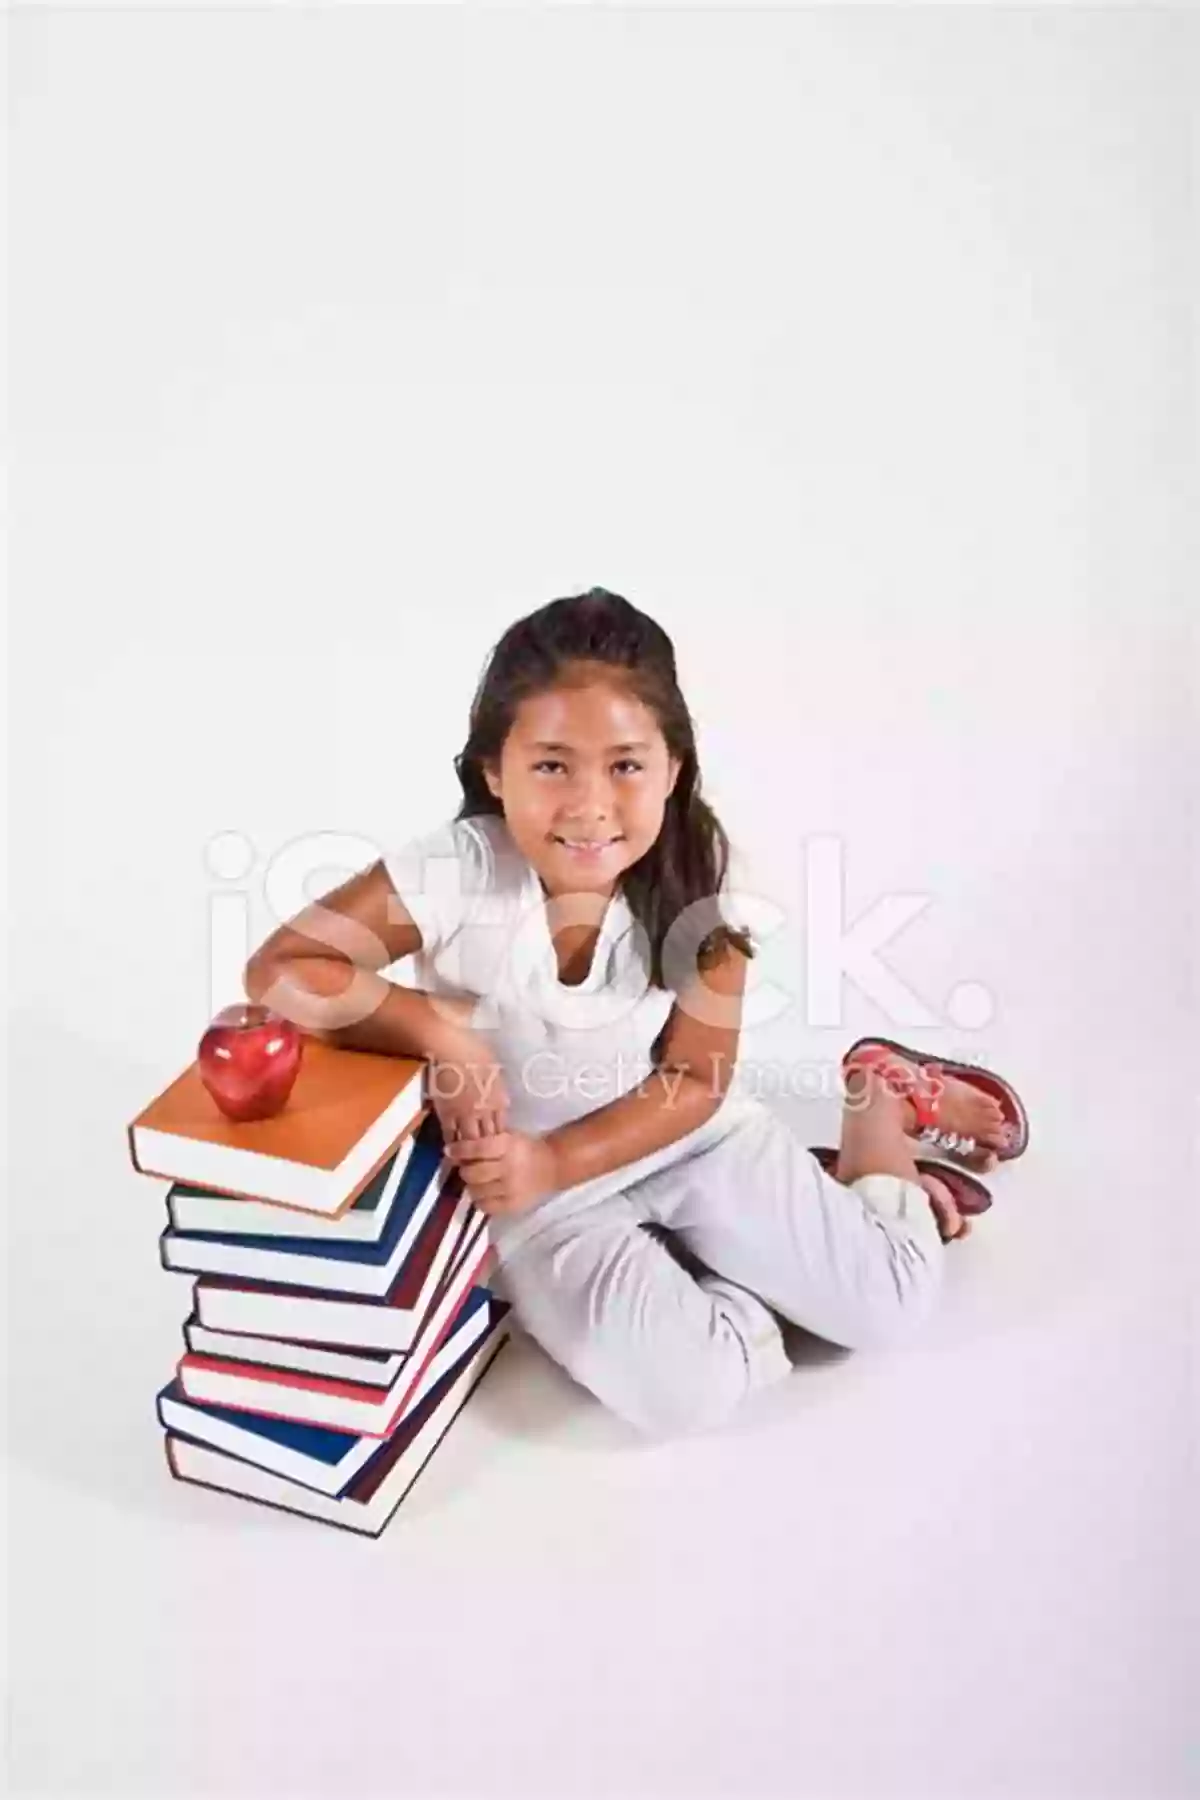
[{"x": 588, "y": 802}]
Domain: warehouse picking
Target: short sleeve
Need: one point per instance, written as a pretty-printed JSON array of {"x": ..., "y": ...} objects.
[{"x": 436, "y": 875}]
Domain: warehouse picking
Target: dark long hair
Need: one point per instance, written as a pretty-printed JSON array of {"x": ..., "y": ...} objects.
[{"x": 688, "y": 861}]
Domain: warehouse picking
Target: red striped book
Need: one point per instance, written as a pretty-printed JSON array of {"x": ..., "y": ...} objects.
[{"x": 339, "y": 1405}]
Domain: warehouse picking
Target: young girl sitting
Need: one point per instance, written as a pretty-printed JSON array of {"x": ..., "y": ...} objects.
[{"x": 578, "y": 1003}]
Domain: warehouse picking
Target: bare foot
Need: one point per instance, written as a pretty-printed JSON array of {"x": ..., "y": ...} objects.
[
  {"x": 963, "y": 1109},
  {"x": 951, "y": 1223},
  {"x": 874, "y": 1142},
  {"x": 973, "y": 1114}
]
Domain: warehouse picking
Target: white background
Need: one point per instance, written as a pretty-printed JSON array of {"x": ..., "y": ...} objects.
[{"x": 858, "y": 347}]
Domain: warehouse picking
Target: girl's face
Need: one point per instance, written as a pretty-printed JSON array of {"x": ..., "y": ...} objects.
[{"x": 583, "y": 778}]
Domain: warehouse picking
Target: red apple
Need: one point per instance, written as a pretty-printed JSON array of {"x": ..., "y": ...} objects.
[{"x": 248, "y": 1060}]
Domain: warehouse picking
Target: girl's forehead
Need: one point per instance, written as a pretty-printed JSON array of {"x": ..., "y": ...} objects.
[{"x": 586, "y": 714}]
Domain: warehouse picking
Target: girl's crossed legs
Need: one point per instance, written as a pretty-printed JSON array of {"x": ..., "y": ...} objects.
[{"x": 670, "y": 1350}]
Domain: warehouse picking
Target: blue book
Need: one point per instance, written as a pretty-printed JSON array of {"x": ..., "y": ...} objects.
[
  {"x": 316, "y": 1456},
  {"x": 204, "y": 1210},
  {"x": 314, "y": 1262},
  {"x": 370, "y": 1500}
]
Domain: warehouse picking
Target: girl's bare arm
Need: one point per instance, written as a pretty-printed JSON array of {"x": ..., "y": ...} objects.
[
  {"x": 693, "y": 1068},
  {"x": 321, "y": 970}
]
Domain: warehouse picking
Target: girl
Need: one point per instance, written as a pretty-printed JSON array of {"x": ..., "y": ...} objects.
[{"x": 578, "y": 1006}]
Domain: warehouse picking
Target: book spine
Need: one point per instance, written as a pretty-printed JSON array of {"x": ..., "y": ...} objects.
[
  {"x": 205, "y": 1467},
  {"x": 316, "y": 1400}
]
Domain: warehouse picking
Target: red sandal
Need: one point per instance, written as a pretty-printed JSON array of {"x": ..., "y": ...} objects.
[
  {"x": 871, "y": 1052},
  {"x": 970, "y": 1195}
]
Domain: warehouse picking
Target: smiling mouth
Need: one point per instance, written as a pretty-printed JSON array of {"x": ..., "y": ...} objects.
[{"x": 586, "y": 844}]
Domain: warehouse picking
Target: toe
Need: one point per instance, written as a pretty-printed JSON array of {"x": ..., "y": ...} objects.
[{"x": 994, "y": 1127}]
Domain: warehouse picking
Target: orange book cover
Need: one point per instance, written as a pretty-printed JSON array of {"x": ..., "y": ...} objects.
[{"x": 342, "y": 1119}]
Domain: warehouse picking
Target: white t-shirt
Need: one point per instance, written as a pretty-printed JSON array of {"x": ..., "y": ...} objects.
[{"x": 565, "y": 1049}]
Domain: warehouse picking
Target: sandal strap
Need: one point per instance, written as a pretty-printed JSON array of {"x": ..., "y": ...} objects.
[
  {"x": 878, "y": 1056},
  {"x": 948, "y": 1140}
]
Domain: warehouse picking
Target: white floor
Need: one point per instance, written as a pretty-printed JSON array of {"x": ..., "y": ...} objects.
[{"x": 961, "y": 1570}]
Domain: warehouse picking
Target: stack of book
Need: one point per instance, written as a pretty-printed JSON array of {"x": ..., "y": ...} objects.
[{"x": 340, "y": 1319}]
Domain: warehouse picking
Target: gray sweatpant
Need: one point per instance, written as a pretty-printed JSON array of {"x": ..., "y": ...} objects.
[{"x": 672, "y": 1348}]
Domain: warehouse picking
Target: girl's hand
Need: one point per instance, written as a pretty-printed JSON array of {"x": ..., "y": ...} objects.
[
  {"x": 507, "y": 1173},
  {"x": 466, "y": 1090}
]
